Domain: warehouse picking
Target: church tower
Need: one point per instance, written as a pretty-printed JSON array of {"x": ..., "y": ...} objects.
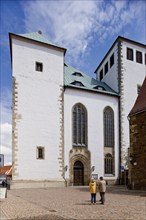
[
  {"x": 124, "y": 68},
  {"x": 37, "y": 133}
]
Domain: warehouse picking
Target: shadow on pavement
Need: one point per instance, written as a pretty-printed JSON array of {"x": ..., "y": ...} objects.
[
  {"x": 117, "y": 189},
  {"x": 45, "y": 217}
]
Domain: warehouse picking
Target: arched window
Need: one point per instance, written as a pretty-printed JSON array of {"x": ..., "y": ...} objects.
[
  {"x": 79, "y": 125},
  {"x": 108, "y": 164},
  {"x": 108, "y": 127}
]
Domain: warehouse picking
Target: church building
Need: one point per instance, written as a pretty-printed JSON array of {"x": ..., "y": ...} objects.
[{"x": 66, "y": 126}]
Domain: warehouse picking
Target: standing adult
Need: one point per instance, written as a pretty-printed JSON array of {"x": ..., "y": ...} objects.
[
  {"x": 92, "y": 187},
  {"x": 102, "y": 189}
]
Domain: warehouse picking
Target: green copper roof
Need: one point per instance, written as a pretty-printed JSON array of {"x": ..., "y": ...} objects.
[
  {"x": 37, "y": 36},
  {"x": 77, "y": 79}
]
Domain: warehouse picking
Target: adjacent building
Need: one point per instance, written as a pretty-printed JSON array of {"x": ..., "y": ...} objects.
[
  {"x": 137, "y": 150},
  {"x": 66, "y": 125}
]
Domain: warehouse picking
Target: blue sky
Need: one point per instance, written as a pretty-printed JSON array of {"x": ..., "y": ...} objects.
[{"x": 86, "y": 28}]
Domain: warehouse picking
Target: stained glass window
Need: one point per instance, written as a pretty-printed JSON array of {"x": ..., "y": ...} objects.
[
  {"x": 108, "y": 127},
  {"x": 79, "y": 125}
]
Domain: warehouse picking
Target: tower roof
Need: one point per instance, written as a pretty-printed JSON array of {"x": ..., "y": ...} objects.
[
  {"x": 140, "y": 103},
  {"x": 37, "y": 37}
]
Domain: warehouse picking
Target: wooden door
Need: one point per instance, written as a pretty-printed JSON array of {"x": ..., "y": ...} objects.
[{"x": 78, "y": 173}]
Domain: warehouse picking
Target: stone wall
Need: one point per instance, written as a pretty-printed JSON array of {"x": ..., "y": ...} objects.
[{"x": 137, "y": 152}]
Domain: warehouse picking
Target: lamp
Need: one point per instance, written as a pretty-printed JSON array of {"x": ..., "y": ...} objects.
[
  {"x": 65, "y": 168},
  {"x": 132, "y": 160},
  {"x": 92, "y": 169}
]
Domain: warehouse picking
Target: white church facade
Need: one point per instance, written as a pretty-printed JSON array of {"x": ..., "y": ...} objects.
[{"x": 67, "y": 126}]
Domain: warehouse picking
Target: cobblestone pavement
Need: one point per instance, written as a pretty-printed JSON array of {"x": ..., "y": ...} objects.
[
  {"x": 2, "y": 215},
  {"x": 72, "y": 203}
]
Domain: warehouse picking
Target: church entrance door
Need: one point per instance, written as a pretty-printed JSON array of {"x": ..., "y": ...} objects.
[{"x": 78, "y": 173}]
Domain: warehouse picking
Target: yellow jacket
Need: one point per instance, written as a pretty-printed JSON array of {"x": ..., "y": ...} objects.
[{"x": 92, "y": 187}]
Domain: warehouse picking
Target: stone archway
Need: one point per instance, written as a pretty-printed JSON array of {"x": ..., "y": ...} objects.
[{"x": 79, "y": 164}]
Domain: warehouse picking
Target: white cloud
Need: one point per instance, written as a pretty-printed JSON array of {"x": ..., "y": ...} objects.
[
  {"x": 5, "y": 105},
  {"x": 76, "y": 25},
  {"x": 68, "y": 23},
  {"x": 6, "y": 143},
  {"x": 6, "y": 129}
]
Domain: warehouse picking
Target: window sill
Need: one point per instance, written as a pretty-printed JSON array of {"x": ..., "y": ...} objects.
[
  {"x": 79, "y": 145},
  {"x": 109, "y": 175}
]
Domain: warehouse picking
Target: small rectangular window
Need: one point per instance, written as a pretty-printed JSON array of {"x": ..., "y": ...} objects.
[
  {"x": 138, "y": 89},
  {"x": 145, "y": 58},
  {"x": 39, "y": 67},
  {"x": 40, "y": 153},
  {"x": 129, "y": 54},
  {"x": 112, "y": 60},
  {"x": 138, "y": 57},
  {"x": 106, "y": 68},
  {"x": 101, "y": 75}
]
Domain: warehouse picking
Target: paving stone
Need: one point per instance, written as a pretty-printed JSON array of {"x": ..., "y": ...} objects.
[{"x": 73, "y": 203}]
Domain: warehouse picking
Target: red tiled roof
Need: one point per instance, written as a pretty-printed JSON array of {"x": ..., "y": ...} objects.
[
  {"x": 7, "y": 170},
  {"x": 140, "y": 104}
]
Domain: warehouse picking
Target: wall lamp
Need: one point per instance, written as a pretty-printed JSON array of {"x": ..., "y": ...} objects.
[
  {"x": 132, "y": 160},
  {"x": 65, "y": 168},
  {"x": 92, "y": 169}
]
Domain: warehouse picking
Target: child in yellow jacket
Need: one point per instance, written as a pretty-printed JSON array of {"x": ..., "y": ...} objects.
[{"x": 92, "y": 187}]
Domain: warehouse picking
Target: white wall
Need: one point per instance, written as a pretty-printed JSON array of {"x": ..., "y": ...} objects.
[
  {"x": 111, "y": 77},
  {"x": 133, "y": 75},
  {"x": 38, "y": 110},
  {"x": 95, "y": 104}
]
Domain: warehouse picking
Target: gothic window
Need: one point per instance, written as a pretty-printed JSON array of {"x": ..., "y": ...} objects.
[
  {"x": 108, "y": 164},
  {"x": 79, "y": 125},
  {"x": 108, "y": 127}
]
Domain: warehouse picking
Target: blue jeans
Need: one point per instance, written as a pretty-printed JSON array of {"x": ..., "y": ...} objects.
[{"x": 93, "y": 197}]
